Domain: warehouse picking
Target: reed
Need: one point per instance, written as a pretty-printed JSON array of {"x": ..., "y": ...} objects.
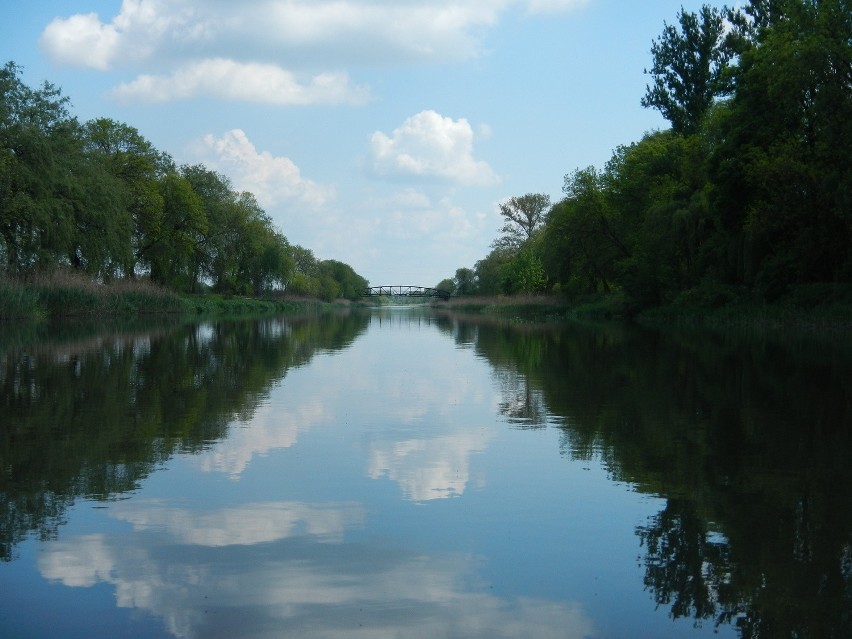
[
  {"x": 18, "y": 301},
  {"x": 65, "y": 294},
  {"x": 500, "y": 301}
]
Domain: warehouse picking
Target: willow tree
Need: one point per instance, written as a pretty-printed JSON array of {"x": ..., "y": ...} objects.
[
  {"x": 132, "y": 160},
  {"x": 35, "y": 132}
]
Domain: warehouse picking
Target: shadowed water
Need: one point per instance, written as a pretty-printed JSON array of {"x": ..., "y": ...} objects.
[{"x": 416, "y": 475}]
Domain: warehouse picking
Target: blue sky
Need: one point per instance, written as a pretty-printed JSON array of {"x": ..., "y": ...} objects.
[{"x": 382, "y": 133}]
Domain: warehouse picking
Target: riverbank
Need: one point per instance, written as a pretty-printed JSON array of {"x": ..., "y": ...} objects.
[
  {"x": 61, "y": 295},
  {"x": 814, "y": 309}
]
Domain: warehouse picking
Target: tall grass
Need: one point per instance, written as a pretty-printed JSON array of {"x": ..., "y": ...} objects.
[
  {"x": 65, "y": 294},
  {"x": 497, "y": 302},
  {"x": 18, "y": 301}
]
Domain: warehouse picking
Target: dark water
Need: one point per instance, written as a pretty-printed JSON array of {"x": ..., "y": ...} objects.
[{"x": 407, "y": 475}]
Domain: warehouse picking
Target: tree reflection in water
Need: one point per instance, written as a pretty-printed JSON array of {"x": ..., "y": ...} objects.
[
  {"x": 93, "y": 415},
  {"x": 746, "y": 437}
]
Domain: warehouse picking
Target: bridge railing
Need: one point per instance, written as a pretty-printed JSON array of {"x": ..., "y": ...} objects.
[{"x": 406, "y": 291}]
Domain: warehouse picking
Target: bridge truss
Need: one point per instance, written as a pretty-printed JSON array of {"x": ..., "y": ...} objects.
[{"x": 406, "y": 291}]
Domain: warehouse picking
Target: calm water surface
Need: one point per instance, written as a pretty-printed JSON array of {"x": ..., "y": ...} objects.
[{"x": 399, "y": 474}]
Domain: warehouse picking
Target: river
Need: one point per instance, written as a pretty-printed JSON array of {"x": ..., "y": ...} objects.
[{"x": 402, "y": 473}]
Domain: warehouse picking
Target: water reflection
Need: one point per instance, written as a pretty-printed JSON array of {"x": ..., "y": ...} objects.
[
  {"x": 242, "y": 525},
  {"x": 290, "y": 587},
  {"x": 268, "y": 429},
  {"x": 427, "y": 469},
  {"x": 740, "y": 444},
  {"x": 93, "y": 416},
  {"x": 748, "y": 439}
]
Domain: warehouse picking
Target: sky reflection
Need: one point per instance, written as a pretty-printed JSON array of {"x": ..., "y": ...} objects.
[
  {"x": 298, "y": 566},
  {"x": 422, "y": 410},
  {"x": 428, "y": 468},
  {"x": 269, "y": 429},
  {"x": 207, "y": 588},
  {"x": 244, "y": 525}
]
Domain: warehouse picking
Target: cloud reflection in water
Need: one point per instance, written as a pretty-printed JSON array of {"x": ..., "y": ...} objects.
[
  {"x": 427, "y": 468},
  {"x": 294, "y": 587}
]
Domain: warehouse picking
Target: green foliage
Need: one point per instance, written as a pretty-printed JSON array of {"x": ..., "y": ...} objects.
[
  {"x": 784, "y": 175},
  {"x": 173, "y": 248},
  {"x": 580, "y": 243},
  {"x": 691, "y": 68},
  {"x": 524, "y": 273},
  {"x": 327, "y": 279},
  {"x": 339, "y": 280},
  {"x": 523, "y": 216},
  {"x": 136, "y": 167},
  {"x": 464, "y": 283},
  {"x": 737, "y": 200},
  {"x": 446, "y": 285},
  {"x": 99, "y": 199},
  {"x": 488, "y": 271},
  {"x": 34, "y": 136},
  {"x": 99, "y": 426},
  {"x": 63, "y": 293}
]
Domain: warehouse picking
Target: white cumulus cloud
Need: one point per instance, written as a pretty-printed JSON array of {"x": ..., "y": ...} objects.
[
  {"x": 251, "y": 82},
  {"x": 274, "y": 180},
  {"x": 81, "y": 40},
  {"x": 553, "y": 6},
  {"x": 253, "y": 49},
  {"x": 429, "y": 145},
  {"x": 141, "y": 30},
  {"x": 365, "y": 30},
  {"x": 369, "y": 31}
]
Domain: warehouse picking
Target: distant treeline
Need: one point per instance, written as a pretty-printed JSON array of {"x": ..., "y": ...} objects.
[
  {"x": 98, "y": 198},
  {"x": 747, "y": 197}
]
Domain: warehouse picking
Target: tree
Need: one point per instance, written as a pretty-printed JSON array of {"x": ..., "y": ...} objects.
[
  {"x": 36, "y": 131},
  {"x": 179, "y": 237},
  {"x": 138, "y": 166},
  {"x": 218, "y": 252},
  {"x": 488, "y": 271},
  {"x": 465, "y": 282},
  {"x": 350, "y": 284},
  {"x": 691, "y": 68},
  {"x": 100, "y": 240},
  {"x": 447, "y": 285},
  {"x": 262, "y": 254},
  {"x": 304, "y": 260},
  {"x": 659, "y": 217},
  {"x": 524, "y": 273},
  {"x": 783, "y": 175},
  {"x": 523, "y": 217},
  {"x": 580, "y": 247}
]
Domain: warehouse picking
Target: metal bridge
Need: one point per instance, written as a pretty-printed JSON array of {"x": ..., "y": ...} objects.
[{"x": 405, "y": 291}]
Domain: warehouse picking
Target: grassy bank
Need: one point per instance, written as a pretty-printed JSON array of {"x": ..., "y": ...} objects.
[
  {"x": 817, "y": 310},
  {"x": 828, "y": 319},
  {"x": 64, "y": 295},
  {"x": 823, "y": 308},
  {"x": 536, "y": 307},
  {"x": 60, "y": 294},
  {"x": 224, "y": 305}
]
